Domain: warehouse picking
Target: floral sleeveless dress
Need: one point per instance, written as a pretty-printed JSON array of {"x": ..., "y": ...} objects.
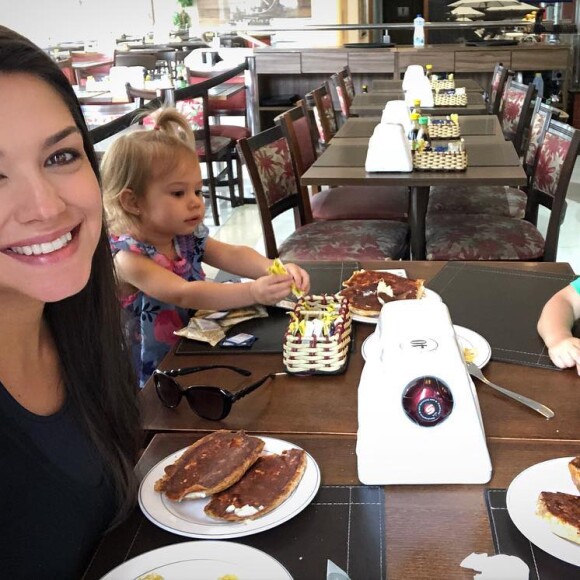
[{"x": 149, "y": 323}]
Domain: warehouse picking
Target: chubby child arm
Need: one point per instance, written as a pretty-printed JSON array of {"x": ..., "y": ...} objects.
[
  {"x": 142, "y": 273},
  {"x": 246, "y": 262},
  {"x": 555, "y": 328}
]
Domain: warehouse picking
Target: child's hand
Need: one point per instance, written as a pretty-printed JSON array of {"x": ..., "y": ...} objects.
[
  {"x": 300, "y": 277},
  {"x": 272, "y": 288},
  {"x": 566, "y": 353}
]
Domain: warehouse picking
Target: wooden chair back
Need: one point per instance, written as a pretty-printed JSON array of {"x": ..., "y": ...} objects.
[
  {"x": 148, "y": 60},
  {"x": 320, "y": 101},
  {"x": 269, "y": 162},
  {"x": 344, "y": 88},
  {"x": 516, "y": 111},
  {"x": 555, "y": 159},
  {"x": 495, "y": 91}
]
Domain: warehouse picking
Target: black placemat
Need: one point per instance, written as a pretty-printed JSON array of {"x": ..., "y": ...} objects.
[
  {"x": 507, "y": 539},
  {"x": 345, "y": 524},
  {"x": 503, "y": 305},
  {"x": 325, "y": 277}
]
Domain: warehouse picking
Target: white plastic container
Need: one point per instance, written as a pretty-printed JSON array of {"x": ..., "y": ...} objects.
[{"x": 419, "y": 32}]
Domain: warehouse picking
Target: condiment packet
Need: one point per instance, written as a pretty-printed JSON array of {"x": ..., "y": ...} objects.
[
  {"x": 497, "y": 567},
  {"x": 241, "y": 339},
  {"x": 203, "y": 330}
]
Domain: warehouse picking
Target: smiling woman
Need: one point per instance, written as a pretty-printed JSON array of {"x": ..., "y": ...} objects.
[{"x": 68, "y": 419}]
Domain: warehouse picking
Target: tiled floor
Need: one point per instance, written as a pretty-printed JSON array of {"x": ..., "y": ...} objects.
[{"x": 242, "y": 225}]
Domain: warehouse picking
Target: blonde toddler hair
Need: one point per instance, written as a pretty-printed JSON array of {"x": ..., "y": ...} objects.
[{"x": 136, "y": 159}]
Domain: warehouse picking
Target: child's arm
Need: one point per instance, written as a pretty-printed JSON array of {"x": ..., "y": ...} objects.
[
  {"x": 143, "y": 273},
  {"x": 246, "y": 262},
  {"x": 555, "y": 328}
]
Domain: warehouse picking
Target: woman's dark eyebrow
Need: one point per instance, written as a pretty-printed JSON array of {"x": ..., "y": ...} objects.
[{"x": 54, "y": 139}]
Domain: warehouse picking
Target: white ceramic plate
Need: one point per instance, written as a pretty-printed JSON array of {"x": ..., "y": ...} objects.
[
  {"x": 202, "y": 561},
  {"x": 429, "y": 295},
  {"x": 466, "y": 338},
  {"x": 522, "y": 495},
  {"x": 187, "y": 517}
]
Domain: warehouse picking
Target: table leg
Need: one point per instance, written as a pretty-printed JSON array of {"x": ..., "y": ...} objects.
[{"x": 417, "y": 212}]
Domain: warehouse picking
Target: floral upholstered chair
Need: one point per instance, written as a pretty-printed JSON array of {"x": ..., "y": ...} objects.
[
  {"x": 501, "y": 200},
  {"x": 498, "y": 79},
  {"x": 320, "y": 100},
  {"x": 269, "y": 162},
  {"x": 344, "y": 87},
  {"x": 343, "y": 202},
  {"x": 515, "y": 111},
  {"x": 484, "y": 237}
]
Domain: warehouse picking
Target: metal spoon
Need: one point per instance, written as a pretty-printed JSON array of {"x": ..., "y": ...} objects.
[{"x": 474, "y": 371}]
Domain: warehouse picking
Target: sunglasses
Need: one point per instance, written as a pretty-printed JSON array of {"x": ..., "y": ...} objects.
[{"x": 213, "y": 403}]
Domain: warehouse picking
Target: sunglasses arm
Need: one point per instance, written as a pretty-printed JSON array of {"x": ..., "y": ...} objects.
[
  {"x": 250, "y": 388},
  {"x": 190, "y": 370}
]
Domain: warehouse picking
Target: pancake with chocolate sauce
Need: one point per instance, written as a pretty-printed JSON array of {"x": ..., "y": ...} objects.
[
  {"x": 264, "y": 487},
  {"x": 211, "y": 464},
  {"x": 364, "y": 288},
  {"x": 562, "y": 512},
  {"x": 574, "y": 468}
]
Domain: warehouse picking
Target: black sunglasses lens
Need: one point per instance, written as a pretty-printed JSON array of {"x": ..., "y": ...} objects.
[
  {"x": 167, "y": 390},
  {"x": 208, "y": 402}
]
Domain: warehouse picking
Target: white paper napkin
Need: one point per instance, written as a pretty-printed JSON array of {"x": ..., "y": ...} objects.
[
  {"x": 497, "y": 567},
  {"x": 389, "y": 149},
  {"x": 397, "y": 112}
]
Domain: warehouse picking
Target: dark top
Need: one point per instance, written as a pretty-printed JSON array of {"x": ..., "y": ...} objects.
[{"x": 55, "y": 498}]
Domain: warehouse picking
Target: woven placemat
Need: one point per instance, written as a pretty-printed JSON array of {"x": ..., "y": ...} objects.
[
  {"x": 443, "y": 100},
  {"x": 345, "y": 524},
  {"x": 439, "y": 161},
  {"x": 507, "y": 539},
  {"x": 490, "y": 301}
]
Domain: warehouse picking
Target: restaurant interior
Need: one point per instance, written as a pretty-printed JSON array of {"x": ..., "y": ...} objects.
[{"x": 348, "y": 135}]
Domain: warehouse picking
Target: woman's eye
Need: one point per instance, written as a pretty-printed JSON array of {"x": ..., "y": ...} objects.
[{"x": 63, "y": 157}]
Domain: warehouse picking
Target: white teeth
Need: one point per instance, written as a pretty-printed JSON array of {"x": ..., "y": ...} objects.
[{"x": 44, "y": 248}]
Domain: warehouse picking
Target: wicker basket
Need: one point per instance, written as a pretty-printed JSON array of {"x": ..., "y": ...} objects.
[
  {"x": 437, "y": 161},
  {"x": 318, "y": 347}
]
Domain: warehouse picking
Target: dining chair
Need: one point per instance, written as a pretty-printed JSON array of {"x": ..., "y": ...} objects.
[
  {"x": 515, "y": 111},
  {"x": 343, "y": 202},
  {"x": 320, "y": 101},
  {"x": 210, "y": 149},
  {"x": 500, "y": 200},
  {"x": 268, "y": 159},
  {"x": 344, "y": 87},
  {"x": 496, "y": 85},
  {"x": 487, "y": 237}
]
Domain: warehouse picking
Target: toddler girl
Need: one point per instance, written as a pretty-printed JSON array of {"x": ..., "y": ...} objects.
[{"x": 152, "y": 194}]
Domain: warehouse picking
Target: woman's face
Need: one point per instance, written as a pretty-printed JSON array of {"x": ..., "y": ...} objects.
[{"x": 50, "y": 202}]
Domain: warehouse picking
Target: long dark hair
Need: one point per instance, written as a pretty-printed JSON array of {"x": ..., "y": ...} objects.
[{"x": 87, "y": 329}]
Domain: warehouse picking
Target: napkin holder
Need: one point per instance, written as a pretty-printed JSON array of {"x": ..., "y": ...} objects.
[
  {"x": 397, "y": 112},
  {"x": 389, "y": 149},
  {"x": 412, "y": 74},
  {"x": 420, "y": 89},
  {"x": 416, "y": 340},
  {"x": 119, "y": 76}
]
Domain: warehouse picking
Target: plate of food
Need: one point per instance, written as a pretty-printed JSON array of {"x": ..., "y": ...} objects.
[
  {"x": 475, "y": 348},
  {"x": 368, "y": 290},
  {"x": 229, "y": 484},
  {"x": 200, "y": 561},
  {"x": 544, "y": 503}
]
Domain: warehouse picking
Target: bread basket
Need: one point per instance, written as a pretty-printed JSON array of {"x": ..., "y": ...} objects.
[{"x": 318, "y": 336}]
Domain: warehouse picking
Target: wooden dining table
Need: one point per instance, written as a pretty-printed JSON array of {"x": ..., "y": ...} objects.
[
  {"x": 373, "y": 103},
  {"x": 469, "y": 125},
  {"x": 389, "y": 85},
  {"x": 494, "y": 162},
  {"x": 428, "y": 529}
]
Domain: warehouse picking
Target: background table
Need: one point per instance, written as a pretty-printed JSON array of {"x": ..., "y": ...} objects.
[{"x": 345, "y": 166}]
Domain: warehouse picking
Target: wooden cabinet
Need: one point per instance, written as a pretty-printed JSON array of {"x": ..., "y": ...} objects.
[
  {"x": 481, "y": 60},
  {"x": 295, "y": 71}
]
